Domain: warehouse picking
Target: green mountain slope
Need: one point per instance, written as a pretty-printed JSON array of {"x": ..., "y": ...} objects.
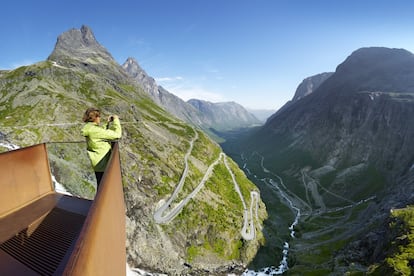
[{"x": 44, "y": 102}]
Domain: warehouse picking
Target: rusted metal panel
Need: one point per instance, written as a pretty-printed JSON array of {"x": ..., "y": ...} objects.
[
  {"x": 24, "y": 177},
  {"x": 25, "y": 217},
  {"x": 100, "y": 249},
  {"x": 30, "y": 209}
]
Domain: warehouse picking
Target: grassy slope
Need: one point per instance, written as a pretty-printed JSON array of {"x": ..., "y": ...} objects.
[
  {"x": 35, "y": 98},
  {"x": 400, "y": 254}
]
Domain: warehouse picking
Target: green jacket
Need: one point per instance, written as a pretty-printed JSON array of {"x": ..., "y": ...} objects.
[{"x": 98, "y": 142}]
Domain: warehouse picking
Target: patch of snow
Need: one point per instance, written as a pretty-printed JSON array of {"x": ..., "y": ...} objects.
[
  {"x": 140, "y": 272},
  {"x": 59, "y": 187},
  {"x": 9, "y": 146}
]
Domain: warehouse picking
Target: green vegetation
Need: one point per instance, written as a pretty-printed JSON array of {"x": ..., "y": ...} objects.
[
  {"x": 192, "y": 252},
  {"x": 324, "y": 229},
  {"x": 217, "y": 232},
  {"x": 64, "y": 161},
  {"x": 218, "y": 229},
  {"x": 400, "y": 255},
  {"x": 152, "y": 151}
]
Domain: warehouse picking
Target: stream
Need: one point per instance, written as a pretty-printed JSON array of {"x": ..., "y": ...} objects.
[{"x": 283, "y": 265}]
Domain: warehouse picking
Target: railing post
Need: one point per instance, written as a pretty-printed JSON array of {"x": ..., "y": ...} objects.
[{"x": 100, "y": 249}]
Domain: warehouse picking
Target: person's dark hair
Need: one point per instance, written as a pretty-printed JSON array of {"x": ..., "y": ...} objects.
[{"x": 91, "y": 114}]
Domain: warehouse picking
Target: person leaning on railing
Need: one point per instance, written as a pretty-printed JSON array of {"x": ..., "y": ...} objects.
[{"x": 98, "y": 139}]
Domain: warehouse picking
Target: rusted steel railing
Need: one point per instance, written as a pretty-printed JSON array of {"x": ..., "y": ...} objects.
[
  {"x": 100, "y": 249},
  {"x": 29, "y": 207},
  {"x": 24, "y": 177}
]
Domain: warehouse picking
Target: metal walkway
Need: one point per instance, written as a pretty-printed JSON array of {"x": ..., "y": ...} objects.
[{"x": 46, "y": 233}]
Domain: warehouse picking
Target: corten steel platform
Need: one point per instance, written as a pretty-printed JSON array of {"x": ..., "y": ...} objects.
[{"x": 46, "y": 233}]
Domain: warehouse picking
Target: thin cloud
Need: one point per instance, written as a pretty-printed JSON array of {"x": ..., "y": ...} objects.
[
  {"x": 169, "y": 79},
  {"x": 187, "y": 93},
  {"x": 185, "y": 89}
]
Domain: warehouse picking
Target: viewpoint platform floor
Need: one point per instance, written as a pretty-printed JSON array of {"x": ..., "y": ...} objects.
[{"x": 39, "y": 238}]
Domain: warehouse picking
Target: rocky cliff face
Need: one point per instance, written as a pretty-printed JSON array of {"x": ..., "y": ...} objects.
[
  {"x": 44, "y": 102},
  {"x": 369, "y": 96},
  {"x": 79, "y": 48},
  {"x": 305, "y": 88},
  {"x": 147, "y": 83},
  {"x": 309, "y": 85},
  {"x": 346, "y": 147}
]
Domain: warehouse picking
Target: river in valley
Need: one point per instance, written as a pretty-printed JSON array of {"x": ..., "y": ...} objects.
[{"x": 276, "y": 237}]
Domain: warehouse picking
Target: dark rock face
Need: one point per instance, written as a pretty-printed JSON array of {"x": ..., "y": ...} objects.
[
  {"x": 361, "y": 116},
  {"x": 309, "y": 85},
  {"x": 377, "y": 69},
  {"x": 357, "y": 115},
  {"x": 305, "y": 88},
  {"x": 148, "y": 83}
]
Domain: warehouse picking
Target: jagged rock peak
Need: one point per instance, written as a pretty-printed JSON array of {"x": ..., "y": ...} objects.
[
  {"x": 131, "y": 62},
  {"x": 305, "y": 88},
  {"x": 132, "y": 67},
  {"x": 87, "y": 36},
  {"x": 148, "y": 83},
  {"x": 78, "y": 43},
  {"x": 310, "y": 84}
]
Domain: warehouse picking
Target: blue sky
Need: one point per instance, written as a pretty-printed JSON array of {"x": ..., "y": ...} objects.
[{"x": 252, "y": 52}]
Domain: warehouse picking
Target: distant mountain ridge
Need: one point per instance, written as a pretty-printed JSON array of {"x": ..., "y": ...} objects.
[
  {"x": 169, "y": 101},
  {"x": 262, "y": 114},
  {"x": 207, "y": 117},
  {"x": 225, "y": 115}
]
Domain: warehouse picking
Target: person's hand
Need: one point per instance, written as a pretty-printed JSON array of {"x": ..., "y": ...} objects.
[{"x": 112, "y": 117}]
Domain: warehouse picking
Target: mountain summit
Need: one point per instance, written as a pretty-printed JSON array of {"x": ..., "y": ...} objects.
[
  {"x": 79, "y": 43},
  {"x": 148, "y": 83},
  {"x": 377, "y": 69}
]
